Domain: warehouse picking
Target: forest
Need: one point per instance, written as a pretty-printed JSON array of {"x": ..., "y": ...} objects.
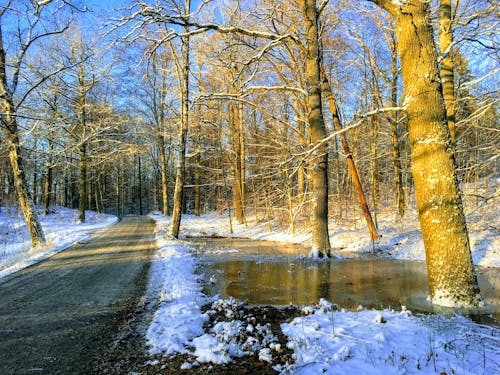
[
  {"x": 151, "y": 150},
  {"x": 298, "y": 112}
]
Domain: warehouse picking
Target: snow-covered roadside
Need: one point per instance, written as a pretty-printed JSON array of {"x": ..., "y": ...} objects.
[
  {"x": 324, "y": 340},
  {"x": 61, "y": 227},
  {"x": 178, "y": 317}
]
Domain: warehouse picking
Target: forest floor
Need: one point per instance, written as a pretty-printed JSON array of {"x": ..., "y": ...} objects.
[{"x": 167, "y": 325}]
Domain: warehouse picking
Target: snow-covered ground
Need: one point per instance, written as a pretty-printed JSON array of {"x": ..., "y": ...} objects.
[
  {"x": 325, "y": 339},
  {"x": 62, "y": 227}
]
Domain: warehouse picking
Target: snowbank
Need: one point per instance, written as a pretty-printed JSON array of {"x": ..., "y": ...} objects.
[{"x": 62, "y": 227}]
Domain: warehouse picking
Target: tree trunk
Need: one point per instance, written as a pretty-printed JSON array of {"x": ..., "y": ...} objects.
[
  {"x": 447, "y": 72},
  {"x": 349, "y": 159},
  {"x": 301, "y": 130},
  {"x": 9, "y": 124},
  {"x": 164, "y": 177},
  {"x": 452, "y": 280},
  {"x": 394, "y": 121},
  {"x": 183, "y": 131},
  {"x": 319, "y": 158},
  {"x": 197, "y": 175},
  {"x": 139, "y": 176},
  {"x": 47, "y": 189},
  {"x": 237, "y": 163},
  {"x": 83, "y": 182},
  {"x": 25, "y": 201}
]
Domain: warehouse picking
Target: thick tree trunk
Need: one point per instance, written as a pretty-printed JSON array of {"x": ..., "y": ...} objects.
[
  {"x": 452, "y": 280},
  {"x": 319, "y": 158},
  {"x": 447, "y": 72}
]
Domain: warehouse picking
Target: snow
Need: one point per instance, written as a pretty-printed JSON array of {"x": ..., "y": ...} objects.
[
  {"x": 324, "y": 339},
  {"x": 390, "y": 342},
  {"x": 61, "y": 227},
  {"x": 178, "y": 316}
]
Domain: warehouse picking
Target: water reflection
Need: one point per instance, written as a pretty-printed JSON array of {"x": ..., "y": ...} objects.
[{"x": 270, "y": 273}]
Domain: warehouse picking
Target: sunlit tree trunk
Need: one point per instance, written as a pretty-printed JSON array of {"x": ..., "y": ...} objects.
[
  {"x": 237, "y": 163},
  {"x": 164, "y": 174},
  {"x": 394, "y": 121},
  {"x": 319, "y": 158},
  {"x": 301, "y": 130},
  {"x": 9, "y": 124},
  {"x": 452, "y": 280},
  {"x": 25, "y": 201},
  {"x": 183, "y": 74}
]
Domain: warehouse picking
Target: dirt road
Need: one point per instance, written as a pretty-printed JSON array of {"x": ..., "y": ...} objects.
[{"x": 59, "y": 316}]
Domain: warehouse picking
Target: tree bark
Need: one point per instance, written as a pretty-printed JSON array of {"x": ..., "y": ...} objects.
[
  {"x": 183, "y": 131},
  {"x": 83, "y": 182},
  {"x": 394, "y": 121},
  {"x": 9, "y": 124},
  {"x": 236, "y": 163},
  {"x": 47, "y": 189},
  {"x": 319, "y": 158},
  {"x": 452, "y": 280},
  {"x": 197, "y": 175},
  {"x": 301, "y": 130}
]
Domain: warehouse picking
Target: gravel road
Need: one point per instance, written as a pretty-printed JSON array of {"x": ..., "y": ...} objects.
[{"x": 60, "y": 316}]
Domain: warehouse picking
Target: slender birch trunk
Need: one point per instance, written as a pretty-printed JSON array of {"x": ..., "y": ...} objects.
[{"x": 9, "y": 124}]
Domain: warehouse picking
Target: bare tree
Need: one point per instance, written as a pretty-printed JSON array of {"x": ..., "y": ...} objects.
[{"x": 11, "y": 69}]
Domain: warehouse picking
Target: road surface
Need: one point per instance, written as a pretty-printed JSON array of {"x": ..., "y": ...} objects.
[{"x": 59, "y": 316}]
